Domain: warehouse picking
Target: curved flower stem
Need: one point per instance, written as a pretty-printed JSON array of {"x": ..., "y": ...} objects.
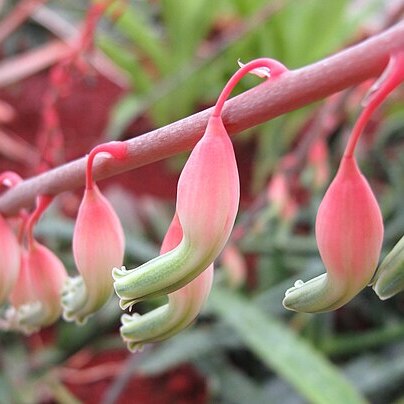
[
  {"x": 291, "y": 91},
  {"x": 117, "y": 150},
  {"x": 275, "y": 69},
  {"x": 392, "y": 77},
  {"x": 43, "y": 201}
]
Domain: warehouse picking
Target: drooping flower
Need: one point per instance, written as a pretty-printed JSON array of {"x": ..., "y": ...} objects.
[
  {"x": 98, "y": 246},
  {"x": 182, "y": 308},
  {"x": 207, "y": 204},
  {"x": 349, "y": 225},
  {"x": 35, "y": 299},
  {"x": 9, "y": 246}
]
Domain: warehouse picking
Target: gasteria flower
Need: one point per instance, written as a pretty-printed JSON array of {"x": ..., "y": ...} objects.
[
  {"x": 9, "y": 246},
  {"x": 98, "y": 246},
  {"x": 349, "y": 232},
  {"x": 182, "y": 308},
  {"x": 35, "y": 299},
  {"x": 349, "y": 226},
  {"x": 207, "y": 203}
]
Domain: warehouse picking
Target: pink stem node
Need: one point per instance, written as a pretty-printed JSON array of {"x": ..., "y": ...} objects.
[
  {"x": 271, "y": 67},
  {"x": 391, "y": 78},
  {"x": 117, "y": 150}
]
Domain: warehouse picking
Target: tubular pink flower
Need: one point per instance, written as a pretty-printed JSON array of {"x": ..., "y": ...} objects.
[
  {"x": 349, "y": 224},
  {"x": 9, "y": 246},
  {"x": 98, "y": 246},
  {"x": 35, "y": 299},
  {"x": 182, "y": 308},
  {"x": 207, "y": 204}
]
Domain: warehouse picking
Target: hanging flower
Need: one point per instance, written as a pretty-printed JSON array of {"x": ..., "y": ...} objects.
[
  {"x": 35, "y": 299},
  {"x": 182, "y": 308},
  {"x": 207, "y": 203},
  {"x": 349, "y": 225},
  {"x": 9, "y": 246},
  {"x": 98, "y": 246}
]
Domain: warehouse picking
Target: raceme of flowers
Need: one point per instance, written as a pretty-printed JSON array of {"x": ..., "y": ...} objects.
[{"x": 36, "y": 289}]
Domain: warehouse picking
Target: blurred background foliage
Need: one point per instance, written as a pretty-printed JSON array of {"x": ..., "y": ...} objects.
[{"x": 245, "y": 348}]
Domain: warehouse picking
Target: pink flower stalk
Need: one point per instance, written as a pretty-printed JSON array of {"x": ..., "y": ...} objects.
[
  {"x": 349, "y": 224},
  {"x": 181, "y": 310},
  {"x": 10, "y": 248},
  {"x": 207, "y": 203},
  {"x": 98, "y": 246},
  {"x": 35, "y": 299}
]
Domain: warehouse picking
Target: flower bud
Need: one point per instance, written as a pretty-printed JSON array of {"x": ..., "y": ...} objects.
[
  {"x": 349, "y": 233},
  {"x": 207, "y": 202},
  {"x": 98, "y": 246},
  {"x": 9, "y": 245},
  {"x": 9, "y": 259}
]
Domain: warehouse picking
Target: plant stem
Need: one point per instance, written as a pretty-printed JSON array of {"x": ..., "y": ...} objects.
[{"x": 291, "y": 90}]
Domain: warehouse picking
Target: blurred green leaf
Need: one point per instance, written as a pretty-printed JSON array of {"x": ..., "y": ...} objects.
[{"x": 291, "y": 357}]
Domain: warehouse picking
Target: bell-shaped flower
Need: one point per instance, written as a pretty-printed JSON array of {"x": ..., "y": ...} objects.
[
  {"x": 389, "y": 278},
  {"x": 207, "y": 203},
  {"x": 349, "y": 225},
  {"x": 349, "y": 233},
  {"x": 98, "y": 246},
  {"x": 35, "y": 299},
  {"x": 9, "y": 246},
  {"x": 181, "y": 310}
]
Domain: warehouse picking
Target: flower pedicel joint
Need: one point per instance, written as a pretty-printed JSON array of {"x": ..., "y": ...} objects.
[
  {"x": 98, "y": 246},
  {"x": 349, "y": 225},
  {"x": 207, "y": 203}
]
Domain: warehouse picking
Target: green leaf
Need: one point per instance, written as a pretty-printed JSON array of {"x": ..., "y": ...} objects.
[
  {"x": 284, "y": 352},
  {"x": 139, "y": 28}
]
